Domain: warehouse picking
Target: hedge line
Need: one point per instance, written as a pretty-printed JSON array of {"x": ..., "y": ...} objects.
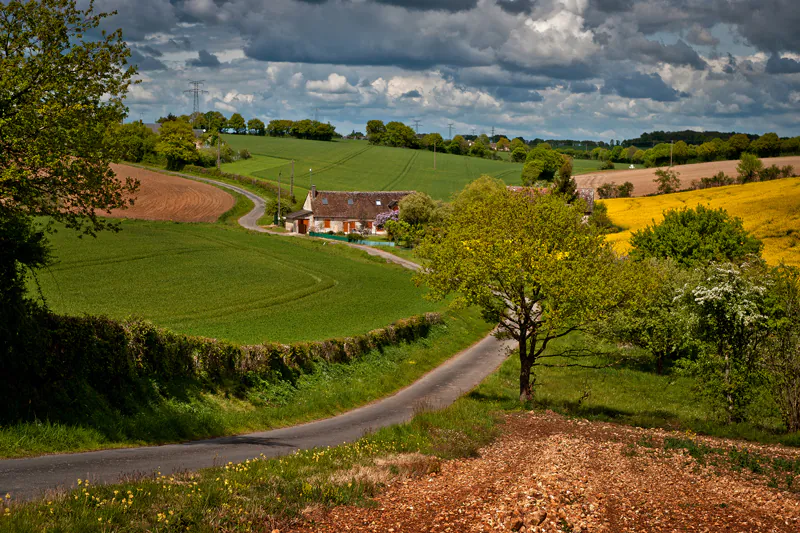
[
  {"x": 75, "y": 358},
  {"x": 213, "y": 172}
]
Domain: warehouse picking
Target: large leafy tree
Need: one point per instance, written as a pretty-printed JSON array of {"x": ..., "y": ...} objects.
[
  {"x": 255, "y": 127},
  {"x": 695, "y": 236},
  {"x": 528, "y": 262},
  {"x": 59, "y": 93},
  {"x": 541, "y": 164},
  {"x": 237, "y": 124},
  {"x": 177, "y": 143}
]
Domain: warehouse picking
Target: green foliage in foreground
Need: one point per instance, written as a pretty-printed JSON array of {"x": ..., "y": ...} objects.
[
  {"x": 193, "y": 408},
  {"x": 221, "y": 282},
  {"x": 266, "y": 494}
]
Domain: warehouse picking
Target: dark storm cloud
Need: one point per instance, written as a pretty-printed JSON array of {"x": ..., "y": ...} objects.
[
  {"x": 412, "y": 94},
  {"x": 611, "y": 6},
  {"x": 517, "y": 95},
  {"x": 782, "y": 65},
  {"x": 638, "y": 86},
  {"x": 149, "y": 50},
  {"x": 145, "y": 62},
  {"x": 580, "y": 87},
  {"x": 432, "y": 5},
  {"x": 204, "y": 59},
  {"x": 517, "y": 6},
  {"x": 181, "y": 43}
]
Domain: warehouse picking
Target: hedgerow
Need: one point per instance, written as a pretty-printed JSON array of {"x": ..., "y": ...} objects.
[{"x": 75, "y": 359}]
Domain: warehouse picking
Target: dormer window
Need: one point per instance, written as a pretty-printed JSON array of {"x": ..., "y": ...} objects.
[
  {"x": 377, "y": 202},
  {"x": 349, "y": 201},
  {"x": 324, "y": 201}
]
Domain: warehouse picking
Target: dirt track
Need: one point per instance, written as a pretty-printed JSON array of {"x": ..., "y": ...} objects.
[
  {"x": 164, "y": 197},
  {"x": 642, "y": 179},
  {"x": 549, "y": 473}
]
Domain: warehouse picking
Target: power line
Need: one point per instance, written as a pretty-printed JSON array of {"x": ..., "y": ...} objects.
[
  {"x": 450, "y": 128},
  {"x": 473, "y": 132},
  {"x": 416, "y": 125},
  {"x": 492, "y": 132},
  {"x": 196, "y": 91}
]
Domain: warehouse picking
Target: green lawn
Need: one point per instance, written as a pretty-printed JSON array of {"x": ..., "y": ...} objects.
[
  {"x": 357, "y": 165},
  {"x": 219, "y": 281}
]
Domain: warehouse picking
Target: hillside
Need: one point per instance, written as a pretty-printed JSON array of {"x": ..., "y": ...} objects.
[
  {"x": 214, "y": 281},
  {"x": 642, "y": 178},
  {"x": 770, "y": 210},
  {"x": 356, "y": 165}
]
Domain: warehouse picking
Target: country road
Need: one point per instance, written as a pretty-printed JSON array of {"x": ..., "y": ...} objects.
[{"x": 28, "y": 478}]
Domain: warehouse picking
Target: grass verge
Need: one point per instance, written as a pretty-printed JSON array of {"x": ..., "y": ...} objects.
[{"x": 193, "y": 410}]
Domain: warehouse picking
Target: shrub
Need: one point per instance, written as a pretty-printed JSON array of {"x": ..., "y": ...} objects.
[
  {"x": 719, "y": 180},
  {"x": 607, "y": 165},
  {"x": 668, "y": 181},
  {"x": 748, "y": 167},
  {"x": 695, "y": 236},
  {"x": 787, "y": 171},
  {"x": 244, "y": 153},
  {"x": 607, "y": 190},
  {"x": 782, "y": 356},
  {"x": 769, "y": 173},
  {"x": 625, "y": 190}
]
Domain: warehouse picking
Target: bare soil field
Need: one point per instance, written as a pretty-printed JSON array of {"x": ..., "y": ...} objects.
[
  {"x": 642, "y": 179},
  {"x": 165, "y": 197},
  {"x": 550, "y": 473}
]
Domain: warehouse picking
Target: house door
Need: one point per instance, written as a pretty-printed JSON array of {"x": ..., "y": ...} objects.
[{"x": 302, "y": 227}]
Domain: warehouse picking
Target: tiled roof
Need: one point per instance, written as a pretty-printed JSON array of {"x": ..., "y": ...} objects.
[
  {"x": 303, "y": 213},
  {"x": 355, "y": 205}
]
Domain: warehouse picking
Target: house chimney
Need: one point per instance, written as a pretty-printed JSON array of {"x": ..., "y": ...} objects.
[{"x": 313, "y": 191}]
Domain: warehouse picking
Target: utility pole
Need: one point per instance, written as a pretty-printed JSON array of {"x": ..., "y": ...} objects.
[
  {"x": 416, "y": 125},
  {"x": 219, "y": 141},
  {"x": 278, "y": 215},
  {"x": 492, "y": 133},
  {"x": 473, "y": 132},
  {"x": 670, "y": 153},
  {"x": 316, "y": 114},
  {"x": 291, "y": 183},
  {"x": 196, "y": 91},
  {"x": 434, "y": 155},
  {"x": 450, "y": 128}
]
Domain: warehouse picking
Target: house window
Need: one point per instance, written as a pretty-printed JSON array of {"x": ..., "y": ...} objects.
[
  {"x": 327, "y": 224},
  {"x": 349, "y": 201},
  {"x": 377, "y": 202},
  {"x": 324, "y": 201},
  {"x": 369, "y": 224}
]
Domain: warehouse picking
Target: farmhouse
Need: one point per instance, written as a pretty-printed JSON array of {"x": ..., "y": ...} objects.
[
  {"x": 587, "y": 195},
  {"x": 334, "y": 211}
]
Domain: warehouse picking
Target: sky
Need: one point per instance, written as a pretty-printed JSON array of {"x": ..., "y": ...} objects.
[{"x": 578, "y": 69}]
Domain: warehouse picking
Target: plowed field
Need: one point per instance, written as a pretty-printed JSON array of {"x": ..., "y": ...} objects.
[
  {"x": 165, "y": 197},
  {"x": 642, "y": 179},
  {"x": 552, "y": 474}
]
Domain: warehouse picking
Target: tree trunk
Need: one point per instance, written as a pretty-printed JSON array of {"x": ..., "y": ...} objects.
[
  {"x": 728, "y": 394},
  {"x": 660, "y": 364},
  {"x": 526, "y": 364}
]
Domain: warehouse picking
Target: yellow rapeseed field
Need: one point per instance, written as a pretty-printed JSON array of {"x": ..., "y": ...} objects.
[{"x": 769, "y": 210}]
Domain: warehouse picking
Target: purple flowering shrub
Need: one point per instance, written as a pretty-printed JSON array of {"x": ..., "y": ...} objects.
[{"x": 382, "y": 218}]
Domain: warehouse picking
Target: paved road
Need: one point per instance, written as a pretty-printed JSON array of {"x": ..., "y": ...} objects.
[
  {"x": 33, "y": 477},
  {"x": 29, "y": 478}
]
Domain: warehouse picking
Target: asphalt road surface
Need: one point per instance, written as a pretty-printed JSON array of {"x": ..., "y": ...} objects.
[{"x": 33, "y": 477}]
